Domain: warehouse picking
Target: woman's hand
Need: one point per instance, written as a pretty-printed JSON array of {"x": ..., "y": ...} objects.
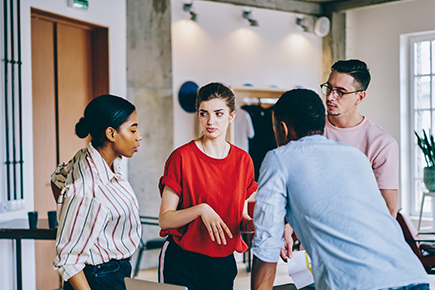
[
  {"x": 170, "y": 217},
  {"x": 215, "y": 225}
]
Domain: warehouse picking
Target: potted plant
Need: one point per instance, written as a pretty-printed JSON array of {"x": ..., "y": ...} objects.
[{"x": 427, "y": 146}]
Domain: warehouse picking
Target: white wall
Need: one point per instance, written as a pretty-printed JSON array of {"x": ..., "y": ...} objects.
[
  {"x": 221, "y": 46},
  {"x": 373, "y": 35},
  {"x": 108, "y": 13}
]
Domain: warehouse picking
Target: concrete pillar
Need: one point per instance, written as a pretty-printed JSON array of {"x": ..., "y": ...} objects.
[
  {"x": 338, "y": 36},
  {"x": 149, "y": 87},
  {"x": 334, "y": 44}
]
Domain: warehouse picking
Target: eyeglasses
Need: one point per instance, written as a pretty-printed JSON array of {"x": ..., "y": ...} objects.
[{"x": 338, "y": 94}]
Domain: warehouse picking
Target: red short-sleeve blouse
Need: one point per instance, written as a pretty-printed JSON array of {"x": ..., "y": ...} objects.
[{"x": 224, "y": 184}]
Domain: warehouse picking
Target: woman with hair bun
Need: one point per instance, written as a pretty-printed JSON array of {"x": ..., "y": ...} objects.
[{"x": 99, "y": 226}]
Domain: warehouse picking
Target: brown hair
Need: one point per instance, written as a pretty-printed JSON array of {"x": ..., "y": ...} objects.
[{"x": 216, "y": 91}]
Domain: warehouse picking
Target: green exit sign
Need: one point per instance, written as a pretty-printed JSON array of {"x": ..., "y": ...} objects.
[{"x": 81, "y": 4}]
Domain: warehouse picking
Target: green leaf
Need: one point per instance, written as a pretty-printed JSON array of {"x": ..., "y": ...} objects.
[
  {"x": 427, "y": 146},
  {"x": 432, "y": 147}
]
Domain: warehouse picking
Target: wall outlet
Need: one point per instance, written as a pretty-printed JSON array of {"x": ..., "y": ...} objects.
[
  {"x": 4, "y": 206},
  {"x": 12, "y": 205}
]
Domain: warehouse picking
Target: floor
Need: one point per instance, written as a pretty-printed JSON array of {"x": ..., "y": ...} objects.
[{"x": 243, "y": 279}]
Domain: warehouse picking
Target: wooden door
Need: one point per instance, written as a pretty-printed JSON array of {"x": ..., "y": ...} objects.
[
  {"x": 64, "y": 80},
  {"x": 74, "y": 85},
  {"x": 44, "y": 145}
]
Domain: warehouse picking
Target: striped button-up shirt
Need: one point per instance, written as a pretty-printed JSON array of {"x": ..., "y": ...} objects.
[{"x": 97, "y": 211}]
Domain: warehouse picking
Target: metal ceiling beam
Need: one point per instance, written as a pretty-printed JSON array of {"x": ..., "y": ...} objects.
[{"x": 294, "y": 6}]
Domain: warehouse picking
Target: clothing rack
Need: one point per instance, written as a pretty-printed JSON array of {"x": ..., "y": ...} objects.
[
  {"x": 257, "y": 96},
  {"x": 264, "y": 97},
  {"x": 254, "y": 101}
]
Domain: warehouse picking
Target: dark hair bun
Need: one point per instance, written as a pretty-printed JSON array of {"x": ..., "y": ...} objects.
[
  {"x": 102, "y": 112},
  {"x": 82, "y": 128}
]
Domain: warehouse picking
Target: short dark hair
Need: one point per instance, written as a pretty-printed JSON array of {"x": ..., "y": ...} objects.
[
  {"x": 216, "y": 91},
  {"x": 102, "y": 112},
  {"x": 355, "y": 68},
  {"x": 303, "y": 109}
]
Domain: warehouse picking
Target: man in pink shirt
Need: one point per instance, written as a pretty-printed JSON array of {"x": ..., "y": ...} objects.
[{"x": 344, "y": 91}]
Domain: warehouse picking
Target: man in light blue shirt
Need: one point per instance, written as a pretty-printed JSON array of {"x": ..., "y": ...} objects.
[{"x": 328, "y": 193}]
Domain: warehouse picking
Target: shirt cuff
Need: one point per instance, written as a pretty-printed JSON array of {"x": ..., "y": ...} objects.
[
  {"x": 69, "y": 271},
  {"x": 167, "y": 181},
  {"x": 265, "y": 255}
]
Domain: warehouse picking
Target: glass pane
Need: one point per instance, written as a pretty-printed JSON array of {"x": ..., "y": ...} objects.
[
  {"x": 433, "y": 56},
  {"x": 433, "y": 92},
  {"x": 422, "y": 92},
  {"x": 422, "y": 121},
  {"x": 422, "y": 57},
  {"x": 420, "y": 188},
  {"x": 420, "y": 162}
]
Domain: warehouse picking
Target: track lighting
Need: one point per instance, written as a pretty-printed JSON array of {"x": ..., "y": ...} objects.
[
  {"x": 305, "y": 23},
  {"x": 247, "y": 15},
  {"x": 188, "y": 7}
]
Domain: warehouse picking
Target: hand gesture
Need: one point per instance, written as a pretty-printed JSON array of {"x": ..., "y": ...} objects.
[{"x": 214, "y": 224}]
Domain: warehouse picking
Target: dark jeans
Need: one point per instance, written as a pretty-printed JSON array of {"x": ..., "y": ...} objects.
[
  {"x": 106, "y": 276},
  {"x": 412, "y": 287}
]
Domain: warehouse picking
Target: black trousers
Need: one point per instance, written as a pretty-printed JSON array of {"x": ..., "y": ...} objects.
[
  {"x": 106, "y": 276},
  {"x": 195, "y": 271}
]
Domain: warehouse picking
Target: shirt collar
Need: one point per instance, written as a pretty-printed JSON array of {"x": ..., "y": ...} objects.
[
  {"x": 103, "y": 169},
  {"x": 312, "y": 137}
]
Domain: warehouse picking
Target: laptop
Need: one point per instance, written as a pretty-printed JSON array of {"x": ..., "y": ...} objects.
[{"x": 136, "y": 284}]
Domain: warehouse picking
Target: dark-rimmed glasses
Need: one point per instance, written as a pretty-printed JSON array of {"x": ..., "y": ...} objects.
[{"x": 337, "y": 93}]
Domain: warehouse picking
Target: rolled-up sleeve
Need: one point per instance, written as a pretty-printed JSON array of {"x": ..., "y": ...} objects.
[
  {"x": 59, "y": 176},
  {"x": 270, "y": 210},
  {"x": 81, "y": 220},
  {"x": 172, "y": 176}
]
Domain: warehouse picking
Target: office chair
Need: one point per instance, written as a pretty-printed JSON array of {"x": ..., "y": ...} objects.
[
  {"x": 155, "y": 243},
  {"x": 422, "y": 244}
]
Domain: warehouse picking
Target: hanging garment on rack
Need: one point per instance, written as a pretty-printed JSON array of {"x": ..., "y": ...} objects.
[
  {"x": 243, "y": 129},
  {"x": 264, "y": 139}
]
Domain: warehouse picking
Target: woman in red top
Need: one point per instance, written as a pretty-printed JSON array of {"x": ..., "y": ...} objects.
[{"x": 204, "y": 190}]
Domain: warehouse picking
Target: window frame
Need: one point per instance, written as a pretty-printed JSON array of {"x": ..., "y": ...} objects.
[{"x": 412, "y": 177}]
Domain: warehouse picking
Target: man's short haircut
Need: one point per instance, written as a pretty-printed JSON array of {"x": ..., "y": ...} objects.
[
  {"x": 303, "y": 109},
  {"x": 355, "y": 68}
]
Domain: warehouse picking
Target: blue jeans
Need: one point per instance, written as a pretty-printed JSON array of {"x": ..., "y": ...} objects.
[
  {"x": 412, "y": 287},
  {"x": 105, "y": 276}
]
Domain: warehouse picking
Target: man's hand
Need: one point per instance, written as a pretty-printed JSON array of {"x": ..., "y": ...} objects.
[{"x": 286, "y": 251}]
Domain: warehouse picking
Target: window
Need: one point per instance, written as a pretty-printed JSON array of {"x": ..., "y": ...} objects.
[
  {"x": 421, "y": 88},
  {"x": 11, "y": 149}
]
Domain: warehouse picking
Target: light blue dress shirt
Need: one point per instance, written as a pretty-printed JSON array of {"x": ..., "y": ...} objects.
[{"x": 327, "y": 191}]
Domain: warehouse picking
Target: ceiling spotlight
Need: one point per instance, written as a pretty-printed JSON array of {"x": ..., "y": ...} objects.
[
  {"x": 188, "y": 7},
  {"x": 322, "y": 26},
  {"x": 305, "y": 23},
  {"x": 247, "y": 15},
  {"x": 319, "y": 26}
]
